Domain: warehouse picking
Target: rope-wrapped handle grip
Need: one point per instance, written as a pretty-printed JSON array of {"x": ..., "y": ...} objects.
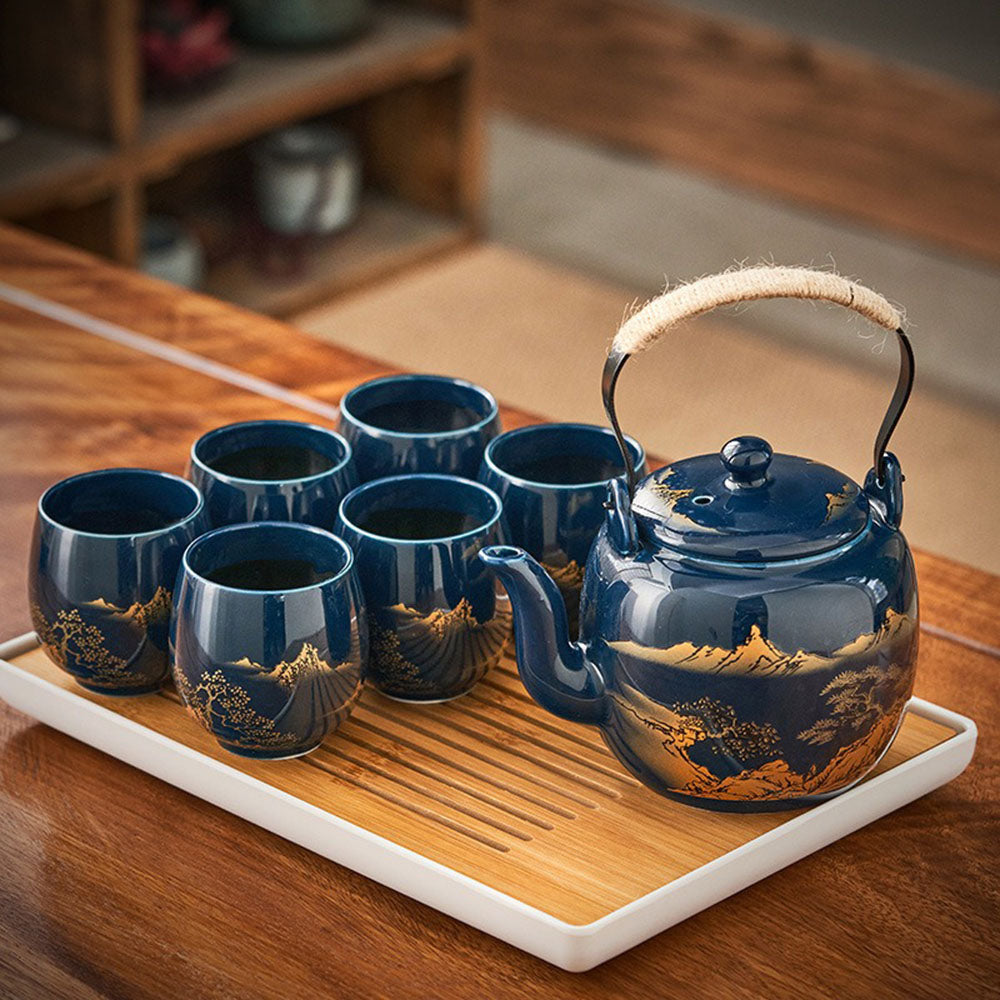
[{"x": 653, "y": 320}]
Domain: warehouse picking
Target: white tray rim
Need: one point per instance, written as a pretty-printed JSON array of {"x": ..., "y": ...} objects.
[{"x": 573, "y": 947}]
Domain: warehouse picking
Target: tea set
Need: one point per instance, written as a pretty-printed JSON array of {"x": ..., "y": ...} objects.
[{"x": 741, "y": 627}]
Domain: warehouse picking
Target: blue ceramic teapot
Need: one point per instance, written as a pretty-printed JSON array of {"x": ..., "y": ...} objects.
[{"x": 748, "y": 622}]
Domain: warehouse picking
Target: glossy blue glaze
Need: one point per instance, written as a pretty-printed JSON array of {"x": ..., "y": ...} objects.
[
  {"x": 763, "y": 681},
  {"x": 380, "y": 451},
  {"x": 309, "y": 499},
  {"x": 748, "y": 504},
  {"x": 269, "y": 672},
  {"x": 437, "y": 625},
  {"x": 555, "y": 521},
  {"x": 104, "y": 559}
]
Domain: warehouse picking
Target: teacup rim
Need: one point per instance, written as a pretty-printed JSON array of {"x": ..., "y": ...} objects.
[
  {"x": 441, "y": 477},
  {"x": 122, "y": 535},
  {"x": 377, "y": 431},
  {"x": 564, "y": 425},
  {"x": 188, "y": 570},
  {"x": 292, "y": 480}
]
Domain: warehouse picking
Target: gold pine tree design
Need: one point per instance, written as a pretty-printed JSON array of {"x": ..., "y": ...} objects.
[
  {"x": 858, "y": 699},
  {"x": 70, "y": 636},
  {"x": 217, "y": 704}
]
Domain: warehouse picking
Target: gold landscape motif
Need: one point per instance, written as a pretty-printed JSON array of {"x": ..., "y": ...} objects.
[
  {"x": 70, "y": 636},
  {"x": 670, "y": 495},
  {"x": 758, "y": 655},
  {"x": 839, "y": 500},
  {"x": 217, "y": 702},
  {"x": 420, "y": 652},
  {"x": 568, "y": 577},
  {"x": 861, "y": 709},
  {"x": 155, "y": 611}
]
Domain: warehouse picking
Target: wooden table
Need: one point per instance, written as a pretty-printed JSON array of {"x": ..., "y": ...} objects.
[{"x": 113, "y": 884}]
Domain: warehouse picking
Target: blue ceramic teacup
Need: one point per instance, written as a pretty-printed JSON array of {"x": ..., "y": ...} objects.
[
  {"x": 268, "y": 636},
  {"x": 553, "y": 481},
  {"x": 436, "y": 623},
  {"x": 418, "y": 423},
  {"x": 272, "y": 470},
  {"x": 104, "y": 560}
]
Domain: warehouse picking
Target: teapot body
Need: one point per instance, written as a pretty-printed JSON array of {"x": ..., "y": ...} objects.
[
  {"x": 752, "y": 686},
  {"x": 748, "y": 620}
]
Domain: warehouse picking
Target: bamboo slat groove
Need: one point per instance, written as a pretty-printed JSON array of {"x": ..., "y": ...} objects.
[
  {"x": 458, "y": 786},
  {"x": 411, "y": 806},
  {"x": 551, "y": 727},
  {"x": 430, "y": 793},
  {"x": 501, "y": 739},
  {"x": 465, "y": 769},
  {"x": 485, "y": 758},
  {"x": 496, "y": 720}
]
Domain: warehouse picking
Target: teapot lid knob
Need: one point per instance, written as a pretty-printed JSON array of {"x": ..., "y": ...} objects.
[{"x": 746, "y": 460}]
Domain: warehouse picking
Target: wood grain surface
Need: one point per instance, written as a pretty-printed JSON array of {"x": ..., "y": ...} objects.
[
  {"x": 825, "y": 126},
  {"x": 493, "y": 787},
  {"x": 116, "y": 885}
]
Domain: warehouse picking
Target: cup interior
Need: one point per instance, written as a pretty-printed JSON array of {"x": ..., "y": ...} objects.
[
  {"x": 415, "y": 405},
  {"x": 270, "y": 451},
  {"x": 560, "y": 455},
  {"x": 120, "y": 502},
  {"x": 268, "y": 556},
  {"x": 420, "y": 508}
]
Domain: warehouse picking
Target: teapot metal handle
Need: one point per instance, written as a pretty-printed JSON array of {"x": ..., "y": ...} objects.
[{"x": 646, "y": 326}]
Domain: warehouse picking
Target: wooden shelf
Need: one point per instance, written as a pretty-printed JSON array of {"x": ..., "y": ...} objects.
[
  {"x": 96, "y": 158},
  {"x": 388, "y": 235},
  {"x": 270, "y": 87},
  {"x": 41, "y": 166}
]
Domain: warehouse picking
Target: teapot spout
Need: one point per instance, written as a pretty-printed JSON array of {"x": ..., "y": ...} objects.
[{"x": 554, "y": 670}]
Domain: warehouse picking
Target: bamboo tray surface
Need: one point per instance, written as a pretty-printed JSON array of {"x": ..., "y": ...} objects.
[{"x": 493, "y": 788}]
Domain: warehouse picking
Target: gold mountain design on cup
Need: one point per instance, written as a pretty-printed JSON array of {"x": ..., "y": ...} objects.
[
  {"x": 306, "y": 664},
  {"x": 155, "y": 611},
  {"x": 758, "y": 655},
  {"x": 70, "y": 638},
  {"x": 330, "y": 690},
  {"x": 452, "y": 649},
  {"x": 316, "y": 691}
]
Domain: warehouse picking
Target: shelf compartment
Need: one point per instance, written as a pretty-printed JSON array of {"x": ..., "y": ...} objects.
[
  {"x": 268, "y": 88},
  {"x": 388, "y": 235},
  {"x": 42, "y": 166}
]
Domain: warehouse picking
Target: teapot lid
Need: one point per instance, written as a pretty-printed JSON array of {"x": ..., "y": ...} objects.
[{"x": 747, "y": 504}]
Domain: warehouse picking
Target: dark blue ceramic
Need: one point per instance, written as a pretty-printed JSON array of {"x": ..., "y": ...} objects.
[
  {"x": 748, "y": 628},
  {"x": 418, "y": 423},
  {"x": 748, "y": 621},
  {"x": 553, "y": 481},
  {"x": 733, "y": 675},
  {"x": 272, "y": 470},
  {"x": 436, "y": 623},
  {"x": 104, "y": 559},
  {"x": 267, "y": 667}
]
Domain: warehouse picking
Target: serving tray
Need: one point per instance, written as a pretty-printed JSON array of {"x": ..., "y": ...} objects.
[{"x": 490, "y": 810}]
